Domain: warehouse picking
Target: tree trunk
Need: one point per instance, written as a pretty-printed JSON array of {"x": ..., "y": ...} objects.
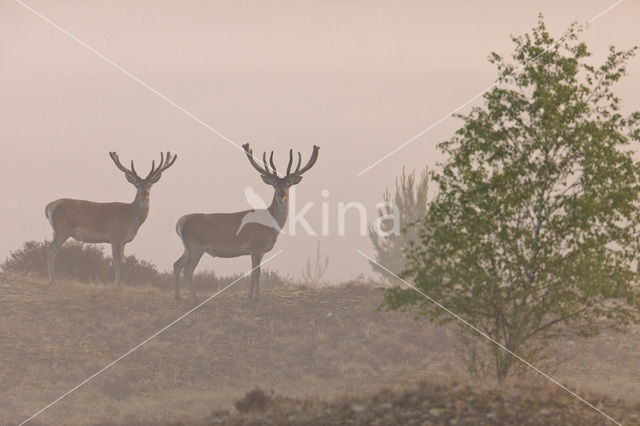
[{"x": 504, "y": 362}]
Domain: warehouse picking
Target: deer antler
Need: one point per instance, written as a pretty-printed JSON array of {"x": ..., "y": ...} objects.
[
  {"x": 119, "y": 165},
  {"x": 273, "y": 166},
  {"x": 310, "y": 163},
  {"x": 165, "y": 163},
  {"x": 264, "y": 169}
]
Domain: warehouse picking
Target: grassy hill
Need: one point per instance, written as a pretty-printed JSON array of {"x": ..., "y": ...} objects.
[{"x": 307, "y": 345}]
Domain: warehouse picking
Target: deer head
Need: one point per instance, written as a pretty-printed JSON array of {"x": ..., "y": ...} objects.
[
  {"x": 282, "y": 184},
  {"x": 143, "y": 186}
]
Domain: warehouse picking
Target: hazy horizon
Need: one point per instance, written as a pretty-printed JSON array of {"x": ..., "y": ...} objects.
[{"x": 358, "y": 79}]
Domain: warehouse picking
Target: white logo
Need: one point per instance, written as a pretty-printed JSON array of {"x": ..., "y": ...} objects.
[{"x": 260, "y": 213}]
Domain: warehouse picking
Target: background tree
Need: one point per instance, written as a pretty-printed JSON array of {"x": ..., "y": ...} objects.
[
  {"x": 535, "y": 231},
  {"x": 411, "y": 201}
]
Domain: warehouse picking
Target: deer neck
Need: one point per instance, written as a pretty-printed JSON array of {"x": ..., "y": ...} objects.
[
  {"x": 279, "y": 210},
  {"x": 140, "y": 208}
]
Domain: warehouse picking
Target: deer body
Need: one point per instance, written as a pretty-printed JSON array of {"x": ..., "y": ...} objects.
[
  {"x": 229, "y": 235},
  {"x": 113, "y": 223},
  {"x": 217, "y": 233},
  {"x": 93, "y": 222}
]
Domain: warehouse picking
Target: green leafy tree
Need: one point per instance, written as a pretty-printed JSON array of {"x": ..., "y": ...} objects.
[
  {"x": 535, "y": 233},
  {"x": 408, "y": 204}
]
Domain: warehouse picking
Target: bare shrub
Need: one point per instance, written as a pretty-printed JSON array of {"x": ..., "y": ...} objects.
[
  {"x": 315, "y": 269},
  {"x": 80, "y": 262},
  {"x": 75, "y": 260}
]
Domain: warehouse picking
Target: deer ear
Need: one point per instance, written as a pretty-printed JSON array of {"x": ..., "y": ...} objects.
[
  {"x": 295, "y": 179},
  {"x": 269, "y": 180},
  {"x": 132, "y": 179}
]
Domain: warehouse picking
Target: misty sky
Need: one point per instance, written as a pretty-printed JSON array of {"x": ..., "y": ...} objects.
[{"x": 355, "y": 78}]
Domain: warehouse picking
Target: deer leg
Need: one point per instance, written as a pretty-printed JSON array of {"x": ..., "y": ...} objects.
[
  {"x": 254, "y": 290},
  {"x": 116, "y": 250},
  {"x": 178, "y": 266},
  {"x": 190, "y": 266},
  {"x": 52, "y": 250}
]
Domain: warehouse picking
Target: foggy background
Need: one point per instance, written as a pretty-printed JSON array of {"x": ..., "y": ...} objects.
[{"x": 356, "y": 78}]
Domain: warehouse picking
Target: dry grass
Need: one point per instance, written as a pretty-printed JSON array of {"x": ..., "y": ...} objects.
[
  {"x": 299, "y": 342},
  {"x": 430, "y": 403}
]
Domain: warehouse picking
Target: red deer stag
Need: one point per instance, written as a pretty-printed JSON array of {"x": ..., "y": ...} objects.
[
  {"x": 232, "y": 234},
  {"x": 114, "y": 223}
]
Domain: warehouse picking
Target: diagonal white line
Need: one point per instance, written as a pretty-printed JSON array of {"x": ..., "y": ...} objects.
[
  {"x": 484, "y": 91},
  {"x": 94, "y": 375},
  {"x": 474, "y": 328},
  {"x": 142, "y": 83}
]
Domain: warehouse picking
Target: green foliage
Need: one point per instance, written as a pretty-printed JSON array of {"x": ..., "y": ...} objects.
[
  {"x": 535, "y": 231},
  {"x": 411, "y": 203}
]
